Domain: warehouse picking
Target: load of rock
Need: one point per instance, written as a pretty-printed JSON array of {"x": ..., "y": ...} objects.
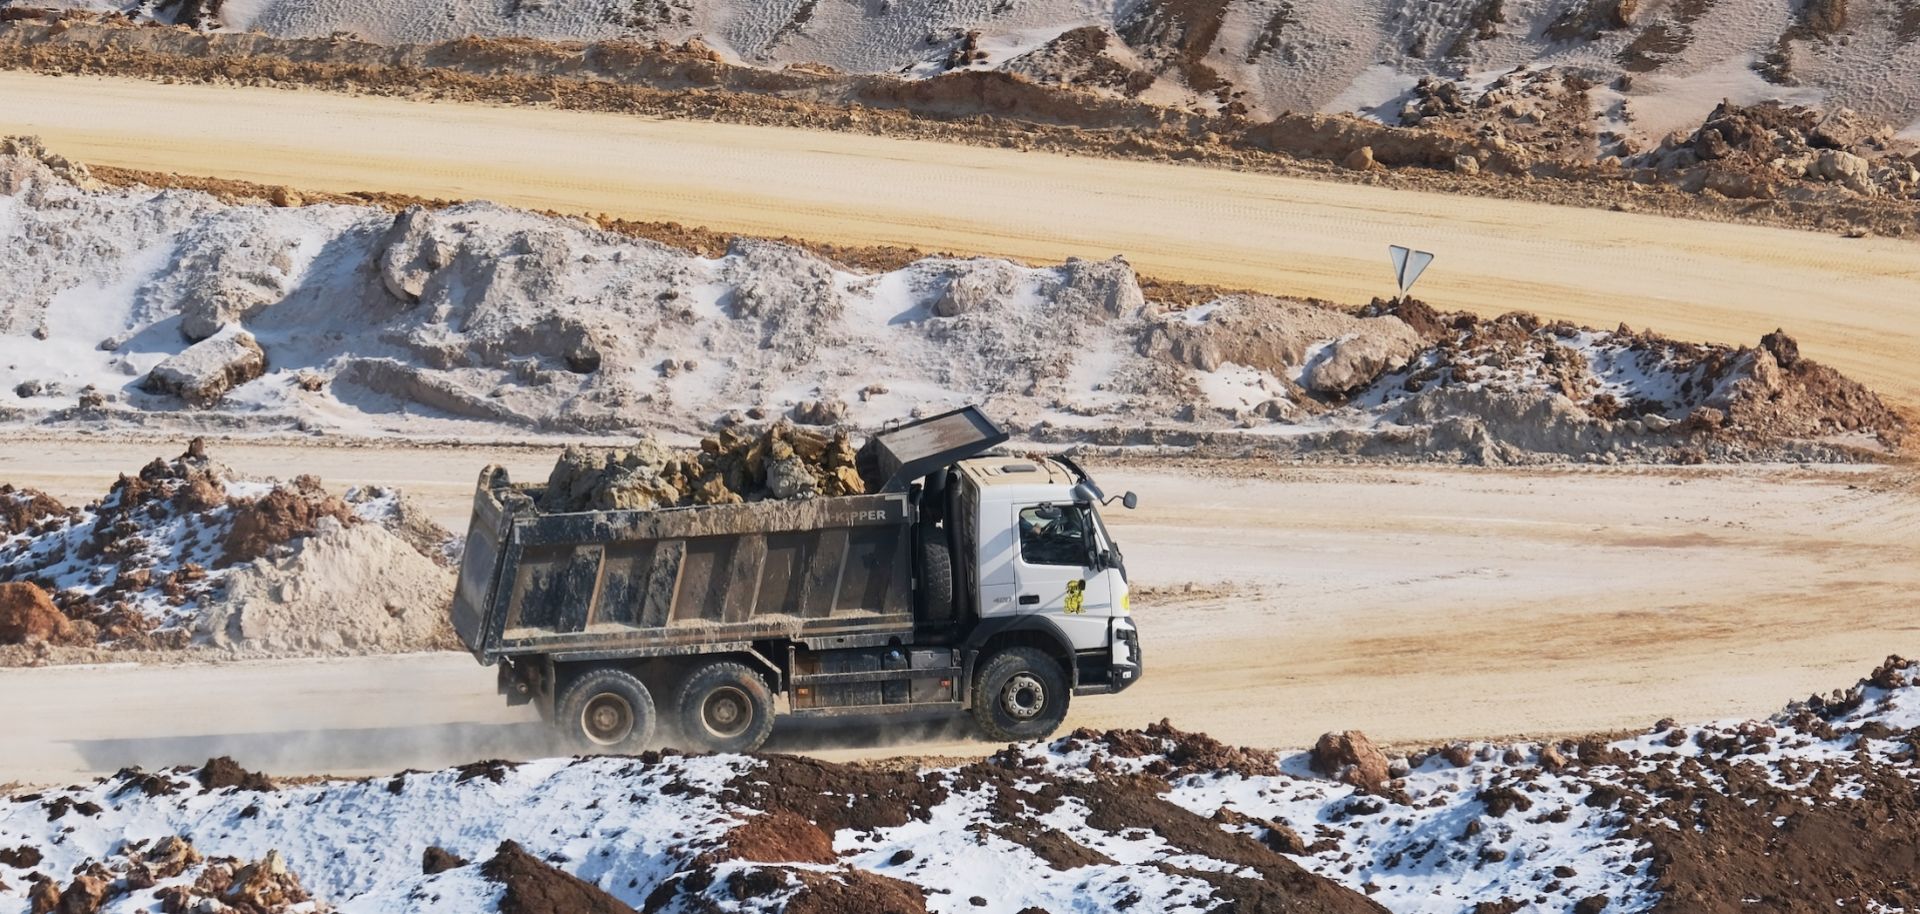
[
  {"x": 187, "y": 553},
  {"x": 782, "y": 461}
]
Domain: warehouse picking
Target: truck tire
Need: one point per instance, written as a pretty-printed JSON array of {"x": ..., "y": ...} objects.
[
  {"x": 1020, "y": 694},
  {"x": 606, "y": 710},
  {"x": 725, "y": 707},
  {"x": 936, "y": 569}
]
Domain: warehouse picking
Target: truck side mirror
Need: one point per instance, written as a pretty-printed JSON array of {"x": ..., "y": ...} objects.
[{"x": 1131, "y": 500}]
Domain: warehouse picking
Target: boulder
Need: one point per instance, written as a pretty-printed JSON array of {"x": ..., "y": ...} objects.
[
  {"x": 410, "y": 254},
  {"x": 1106, "y": 287},
  {"x": 1353, "y": 362},
  {"x": 1349, "y": 756},
  {"x": 1846, "y": 169},
  {"x": 1360, "y": 159},
  {"x": 27, "y": 614},
  {"x": 202, "y": 374}
]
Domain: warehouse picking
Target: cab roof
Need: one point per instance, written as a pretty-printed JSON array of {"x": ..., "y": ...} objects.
[{"x": 1015, "y": 471}]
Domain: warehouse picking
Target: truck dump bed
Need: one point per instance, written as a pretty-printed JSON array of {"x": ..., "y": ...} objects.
[{"x": 826, "y": 571}]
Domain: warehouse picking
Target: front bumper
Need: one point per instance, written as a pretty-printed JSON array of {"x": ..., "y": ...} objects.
[{"x": 1112, "y": 670}]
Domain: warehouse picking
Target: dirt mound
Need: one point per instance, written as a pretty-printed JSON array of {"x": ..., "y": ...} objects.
[
  {"x": 1809, "y": 807},
  {"x": 28, "y": 614},
  {"x": 22, "y": 509},
  {"x": 186, "y": 552},
  {"x": 534, "y": 887},
  {"x": 1757, "y": 151},
  {"x": 854, "y": 890},
  {"x": 463, "y": 324},
  {"x": 778, "y": 837},
  {"x": 223, "y": 772},
  {"x": 277, "y": 518}
]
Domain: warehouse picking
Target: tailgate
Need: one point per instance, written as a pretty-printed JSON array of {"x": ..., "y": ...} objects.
[{"x": 480, "y": 564}]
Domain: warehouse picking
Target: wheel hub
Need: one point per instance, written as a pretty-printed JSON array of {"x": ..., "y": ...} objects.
[
  {"x": 607, "y": 719},
  {"x": 727, "y": 712},
  {"x": 1024, "y": 697}
]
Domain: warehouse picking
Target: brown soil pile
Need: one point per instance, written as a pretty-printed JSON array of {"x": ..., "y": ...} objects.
[
  {"x": 223, "y": 772},
  {"x": 985, "y": 108},
  {"x": 783, "y": 461},
  {"x": 854, "y": 890},
  {"x": 279, "y": 517},
  {"x": 28, "y": 614},
  {"x": 23, "y": 509},
  {"x": 534, "y": 887}
]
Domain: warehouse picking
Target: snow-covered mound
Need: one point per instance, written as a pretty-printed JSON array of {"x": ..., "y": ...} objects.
[
  {"x": 186, "y": 552},
  {"x": 1260, "y": 56},
  {"x": 176, "y": 309},
  {"x": 1809, "y": 810}
]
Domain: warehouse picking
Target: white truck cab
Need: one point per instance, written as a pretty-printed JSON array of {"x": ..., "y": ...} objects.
[{"x": 1042, "y": 559}]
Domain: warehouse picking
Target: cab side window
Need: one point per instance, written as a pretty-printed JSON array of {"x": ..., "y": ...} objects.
[{"x": 1054, "y": 535}]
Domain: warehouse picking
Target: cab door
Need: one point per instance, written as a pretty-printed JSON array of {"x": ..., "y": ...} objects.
[{"x": 1055, "y": 573}]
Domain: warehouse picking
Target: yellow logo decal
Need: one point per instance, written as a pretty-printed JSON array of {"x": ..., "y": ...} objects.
[{"x": 1076, "y": 597}]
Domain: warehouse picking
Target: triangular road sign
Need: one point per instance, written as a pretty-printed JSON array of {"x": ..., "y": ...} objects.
[{"x": 1407, "y": 265}]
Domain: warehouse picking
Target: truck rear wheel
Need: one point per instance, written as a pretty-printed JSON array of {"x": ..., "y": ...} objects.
[
  {"x": 1020, "y": 694},
  {"x": 725, "y": 707},
  {"x": 606, "y": 710}
]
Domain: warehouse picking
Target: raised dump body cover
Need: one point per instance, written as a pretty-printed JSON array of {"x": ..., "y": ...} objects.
[
  {"x": 680, "y": 580},
  {"x": 910, "y": 451}
]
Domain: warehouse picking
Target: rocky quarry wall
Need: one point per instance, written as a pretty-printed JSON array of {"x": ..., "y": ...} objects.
[
  {"x": 186, "y": 554},
  {"x": 175, "y": 309}
]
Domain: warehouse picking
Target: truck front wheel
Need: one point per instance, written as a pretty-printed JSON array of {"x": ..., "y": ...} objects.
[
  {"x": 725, "y": 707},
  {"x": 1020, "y": 694},
  {"x": 606, "y": 710}
]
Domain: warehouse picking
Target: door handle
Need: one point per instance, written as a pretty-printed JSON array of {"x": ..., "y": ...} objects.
[{"x": 1029, "y": 599}]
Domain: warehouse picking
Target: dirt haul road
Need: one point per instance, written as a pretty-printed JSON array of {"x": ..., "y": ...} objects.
[
  {"x": 1417, "y": 604},
  {"x": 1854, "y": 303}
]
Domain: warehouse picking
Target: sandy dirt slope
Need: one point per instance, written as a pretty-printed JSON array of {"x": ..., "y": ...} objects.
[
  {"x": 1853, "y": 303},
  {"x": 1415, "y": 604}
]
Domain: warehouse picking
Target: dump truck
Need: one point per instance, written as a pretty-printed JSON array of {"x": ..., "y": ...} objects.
[{"x": 971, "y": 581}]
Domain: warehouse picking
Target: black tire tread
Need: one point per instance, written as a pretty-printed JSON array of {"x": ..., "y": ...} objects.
[
  {"x": 567, "y": 712},
  {"x": 1003, "y": 665},
  {"x": 692, "y": 694}
]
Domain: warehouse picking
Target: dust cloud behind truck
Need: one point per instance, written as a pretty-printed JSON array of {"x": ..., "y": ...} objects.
[{"x": 971, "y": 581}]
